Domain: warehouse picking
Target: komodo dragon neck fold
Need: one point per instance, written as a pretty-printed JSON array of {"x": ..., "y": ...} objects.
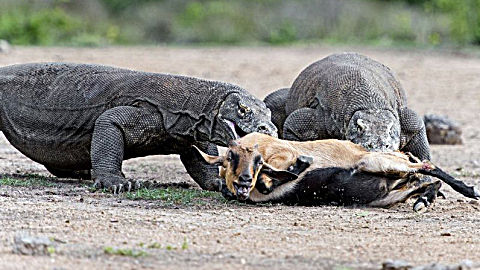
[{"x": 184, "y": 123}]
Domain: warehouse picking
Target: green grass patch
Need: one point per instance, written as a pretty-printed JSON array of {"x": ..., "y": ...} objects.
[
  {"x": 180, "y": 196},
  {"x": 51, "y": 250},
  {"x": 183, "y": 246},
  {"x": 32, "y": 180},
  {"x": 362, "y": 214},
  {"x": 154, "y": 245},
  {"x": 124, "y": 252}
]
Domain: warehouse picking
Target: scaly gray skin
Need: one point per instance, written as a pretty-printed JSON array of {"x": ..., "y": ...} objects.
[
  {"x": 75, "y": 117},
  {"x": 350, "y": 96}
]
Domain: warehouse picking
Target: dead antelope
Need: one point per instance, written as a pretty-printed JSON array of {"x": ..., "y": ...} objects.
[{"x": 261, "y": 168}]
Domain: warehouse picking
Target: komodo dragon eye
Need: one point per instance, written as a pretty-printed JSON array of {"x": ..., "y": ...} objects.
[{"x": 243, "y": 109}]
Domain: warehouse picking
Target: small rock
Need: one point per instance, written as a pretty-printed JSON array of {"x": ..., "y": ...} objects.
[
  {"x": 402, "y": 265},
  {"x": 441, "y": 130},
  {"x": 29, "y": 245},
  {"x": 4, "y": 46},
  {"x": 474, "y": 202},
  {"x": 396, "y": 265}
]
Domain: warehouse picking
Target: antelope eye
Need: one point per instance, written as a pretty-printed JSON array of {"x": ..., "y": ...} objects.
[
  {"x": 229, "y": 156},
  {"x": 258, "y": 160}
]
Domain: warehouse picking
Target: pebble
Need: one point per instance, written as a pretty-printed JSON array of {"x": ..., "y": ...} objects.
[
  {"x": 403, "y": 265},
  {"x": 30, "y": 245},
  {"x": 4, "y": 46}
]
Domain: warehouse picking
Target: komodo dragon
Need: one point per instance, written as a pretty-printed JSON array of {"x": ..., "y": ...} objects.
[
  {"x": 76, "y": 117},
  {"x": 349, "y": 96}
]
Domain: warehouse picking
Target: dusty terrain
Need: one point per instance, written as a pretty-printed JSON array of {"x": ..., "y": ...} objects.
[{"x": 214, "y": 234}]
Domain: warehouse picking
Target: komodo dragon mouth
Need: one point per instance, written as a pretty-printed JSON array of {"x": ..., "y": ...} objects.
[{"x": 237, "y": 132}]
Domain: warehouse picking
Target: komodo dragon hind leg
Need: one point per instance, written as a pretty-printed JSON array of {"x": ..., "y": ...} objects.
[
  {"x": 206, "y": 176},
  {"x": 276, "y": 103},
  {"x": 304, "y": 125}
]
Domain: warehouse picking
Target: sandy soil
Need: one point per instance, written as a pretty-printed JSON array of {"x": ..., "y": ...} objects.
[{"x": 233, "y": 236}]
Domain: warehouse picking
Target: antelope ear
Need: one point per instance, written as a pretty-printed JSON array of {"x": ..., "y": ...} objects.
[
  {"x": 280, "y": 175},
  {"x": 212, "y": 160}
]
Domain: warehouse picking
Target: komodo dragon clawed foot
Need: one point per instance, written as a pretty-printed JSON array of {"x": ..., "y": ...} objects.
[{"x": 114, "y": 182}]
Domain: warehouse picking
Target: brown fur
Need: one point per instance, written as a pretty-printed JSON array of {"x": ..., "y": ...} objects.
[{"x": 281, "y": 154}]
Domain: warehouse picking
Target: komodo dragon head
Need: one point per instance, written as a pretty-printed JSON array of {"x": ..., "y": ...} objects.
[
  {"x": 240, "y": 114},
  {"x": 376, "y": 130}
]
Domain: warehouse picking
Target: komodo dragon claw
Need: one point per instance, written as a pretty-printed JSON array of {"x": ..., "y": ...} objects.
[{"x": 116, "y": 184}]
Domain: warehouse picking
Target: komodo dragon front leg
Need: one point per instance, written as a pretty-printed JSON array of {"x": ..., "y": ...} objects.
[
  {"x": 413, "y": 134},
  {"x": 276, "y": 101},
  {"x": 126, "y": 129},
  {"x": 304, "y": 124},
  {"x": 205, "y": 175},
  {"x": 115, "y": 131}
]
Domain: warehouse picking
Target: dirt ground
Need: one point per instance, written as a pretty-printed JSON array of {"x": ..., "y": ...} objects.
[{"x": 237, "y": 236}]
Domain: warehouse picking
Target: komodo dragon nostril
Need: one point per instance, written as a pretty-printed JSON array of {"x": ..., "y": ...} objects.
[{"x": 262, "y": 128}]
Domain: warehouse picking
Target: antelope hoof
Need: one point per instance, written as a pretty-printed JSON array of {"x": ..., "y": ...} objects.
[{"x": 421, "y": 204}]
